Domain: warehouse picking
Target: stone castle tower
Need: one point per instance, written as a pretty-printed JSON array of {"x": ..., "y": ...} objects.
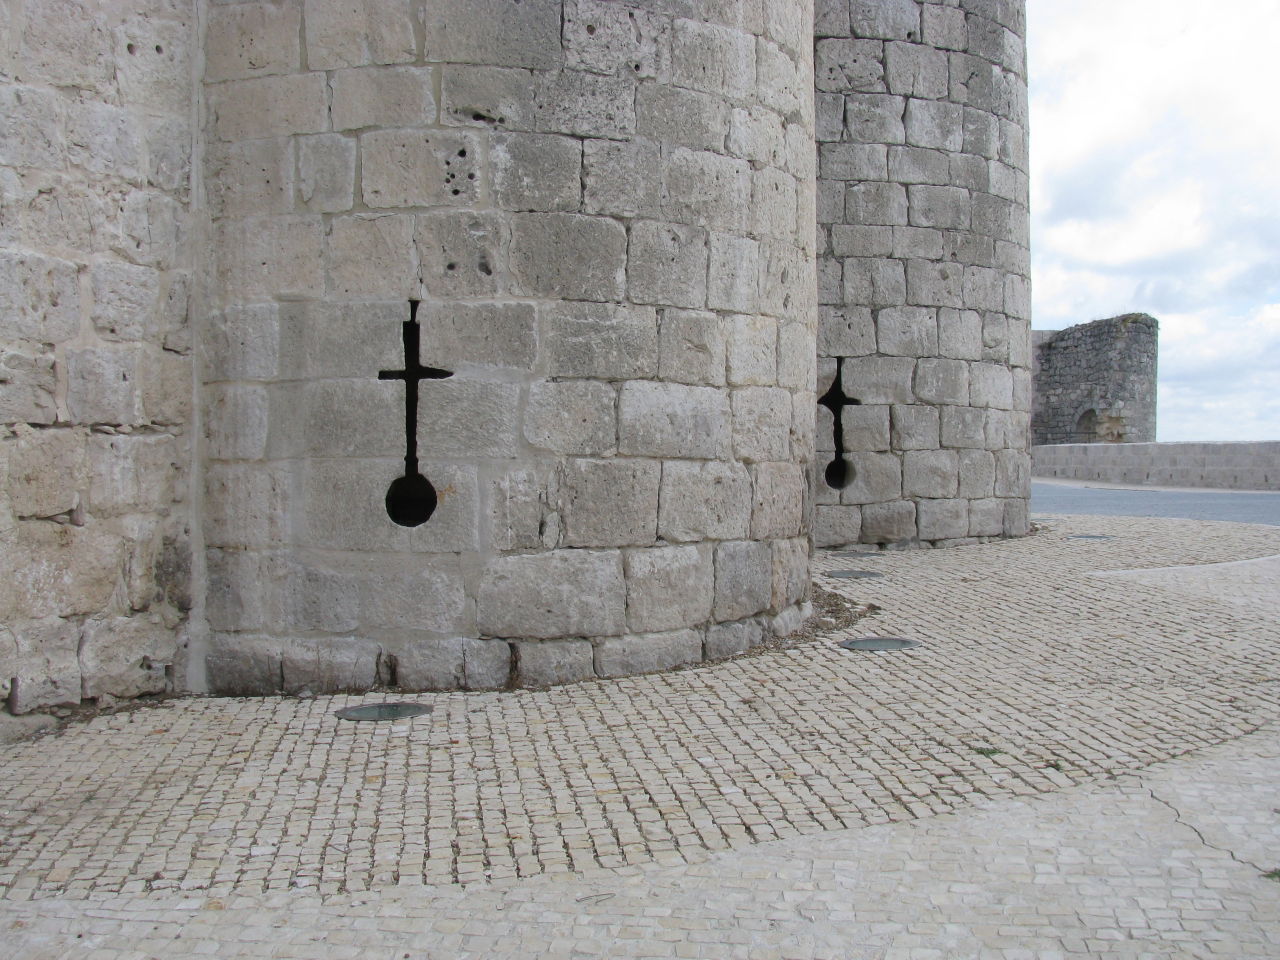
[{"x": 462, "y": 345}]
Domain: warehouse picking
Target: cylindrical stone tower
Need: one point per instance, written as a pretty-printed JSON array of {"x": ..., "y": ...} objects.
[
  {"x": 922, "y": 209},
  {"x": 580, "y": 233}
]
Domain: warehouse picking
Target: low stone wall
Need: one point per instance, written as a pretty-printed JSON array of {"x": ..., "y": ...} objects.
[{"x": 1231, "y": 466}]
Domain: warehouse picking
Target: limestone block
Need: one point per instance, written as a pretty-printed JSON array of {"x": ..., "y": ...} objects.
[
  {"x": 599, "y": 36},
  {"x": 472, "y": 418},
  {"x": 935, "y": 124},
  {"x": 836, "y": 526},
  {"x": 849, "y": 66},
  {"x": 431, "y": 663},
  {"x": 329, "y": 665},
  {"x": 486, "y": 664},
  {"x": 707, "y": 189},
  {"x": 246, "y": 505},
  {"x": 584, "y": 105},
  {"x": 743, "y": 578},
  {"x": 241, "y": 343},
  {"x": 759, "y": 135},
  {"x": 419, "y": 592},
  {"x": 866, "y": 428},
  {"x": 916, "y": 70},
  {"x": 893, "y": 522},
  {"x": 777, "y": 508},
  {"x": 1016, "y": 521},
  {"x": 519, "y": 510},
  {"x": 461, "y": 253},
  {"x": 934, "y": 206},
  {"x": 548, "y": 662},
  {"x": 318, "y": 341},
  {"x": 567, "y": 256},
  {"x": 972, "y": 173},
  {"x": 871, "y": 118},
  {"x": 871, "y": 202},
  {"x": 311, "y": 595},
  {"x": 942, "y": 381},
  {"x": 407, "y": 168},
  {"x": 920, "y": 243},
  {"x": 465, "y": 31},
  {"x": 252, "y": 40},
  {"x": 944, "y": 27},
  {"x": 907, "y": 331},
  {"x": 1013, "y": 473},
  {"x": 371, "y": 257},
  {"x": 830, "y": 202},
  {"x": 133, "y": 473},
  {"x": 981, "y": 133},
  {"x": 26, "y": 387},
  {"x": 349, "y": 33},
  {"x": 994, "y": 217},
  {"x": 125, "y": 656},
  {"x": 326, "y": 172},
  {"x": 32, "y": 128},
  {"x": 963, "y": 427},
  {"x": 848, "y": 240},
  {"x": 879, "y": 379},
  {"x": 960, "y": 334},
  {"x": 874, "y": 282},
  {"x": 622, "y": 179},
  {"x": 797, "y": 361},
  {"x": 761, "y": 423},
  {"x": 995, "y": 338},
  {"x": 534, "y": 171},
  {"x": 271, "y": 256},
  {"x": 574, "y": 417},
  {"x": 704, "y": 501},
  {"x": 1017, "y": 298},
  {"x": 713, "y": 58},
  {"x": 339, "y": 418},
  {"x": 382, "y": 97},
  {"x": 986, "y": 518},
  {"x": 790, "y": 575},
  {"x": 65, "y": 44},
  {"x": 62, "y": 570},
  {"x": 930, "y": 473},
  {"x": 915, "y": 427},
  {"x": 673, "y": 420},
  {"x": 152, "y": 61},
  {"x": 772, "y": 211},
  {"x": 753, "y": 351},
  {"x": 39, "y": 298},
  {"x": 605, "y": 341},
  {"x": 104, "y": 385},
  {"x": 667, "y": 264},
  {"x": 977, "y": 473},
  {"x": 668, "y": 587},
  {"x": 724, "y": 640},
  {"x": 237, "y": 591},
  {"x": 48, "y": 470},
  {"x": 687, "y": 118},
  {"x": 608, "y": 503},
  {"x": 489, "y": 97},
  {"x": 126, "y": 301},
  {"x": 560, "y": 593},
  {"x": 647, "y": 653},
  {"x": 853, "y": 161},
  {"x": 889, "y": 19},
  {"x": 991, "y": 385},
  {"x": 943, "y": 519},
  {"x": 691, "y": 347},
  {"x": 830, "y": 277},
  {"x": 876, "y": 477},
  {"x": 269, "y": 106},
  {"x": 235, "y": 421},
  {"x": 933, "y": 284},
  {"x": 41, "y": 664},
  {"x": 847, "y": 331},
  {"x": 106, "y": 140},
  {"x": 166, "y": 387}
]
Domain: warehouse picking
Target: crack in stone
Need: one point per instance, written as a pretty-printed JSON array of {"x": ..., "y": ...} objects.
[{"x": 1177, "y": 817}]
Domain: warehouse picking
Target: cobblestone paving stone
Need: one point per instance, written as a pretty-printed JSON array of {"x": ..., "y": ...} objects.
[{"x": 273, "y": 808}]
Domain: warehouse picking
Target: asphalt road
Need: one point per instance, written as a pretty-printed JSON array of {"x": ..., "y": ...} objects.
[{"x": 1053, "y": 498}]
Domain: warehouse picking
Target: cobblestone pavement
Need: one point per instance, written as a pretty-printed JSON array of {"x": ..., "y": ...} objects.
[{"x": 1041, "y": 697}]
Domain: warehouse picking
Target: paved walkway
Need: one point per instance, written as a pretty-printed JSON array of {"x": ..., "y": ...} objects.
[{"x": 1071, "y": 764}]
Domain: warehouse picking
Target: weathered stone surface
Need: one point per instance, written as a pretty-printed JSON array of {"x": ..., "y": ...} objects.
[
  {"x": 572, "y": 416},
  {"x": 743, "y": 579},
  {"x": 536, "y": 172},
  {"x": 673, "y": 420},
  {"x": 836, "y": 526},
  {"x": 691, "y": 347},
  {"x": 42, "y": 663},
  {"x": 667, "y": 264},
  {"x": 777, "y": 508},
  {"x": 724, "y": 640},
  {"x": 929, "y": 473},
  {"x": 544, "y": 663},
  {"x": 47, "y": 471},
  {"x": 382, "y": 97},
  {"x": 568, "y": 256},
  {"x": 461, "y": 253},
  {"x": 407, "y": 168},
  {"x": 761, "y": 424},
  {"x": 790, "y": 579},
  {"x": 608, "y": 503},
  {"x": 891, "y": 522},
  {"x": 348, "y": 33},
  {"x": 647, "y": 652},
  {"x": 876, "y": 477},
  {"x": 429, "y": 663},
  {"x": 486, "y": 664},
  {"x": 668, "y": 587},
  {"x": 699, "y": 501},
  {"x": 125, "y": 656},
  {"x": 560, "y": 593},
  {"x": 330, "y": 665}
]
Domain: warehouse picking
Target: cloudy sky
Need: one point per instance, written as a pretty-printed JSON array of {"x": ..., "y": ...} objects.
[{"x": 1155, "y": 187}]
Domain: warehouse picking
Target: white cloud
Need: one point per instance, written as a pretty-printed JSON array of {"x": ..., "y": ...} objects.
[{"x": 1156, "y": 188}]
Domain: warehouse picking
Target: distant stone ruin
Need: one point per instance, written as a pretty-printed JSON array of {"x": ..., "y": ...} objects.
[{"x": 1096, "y": 382}]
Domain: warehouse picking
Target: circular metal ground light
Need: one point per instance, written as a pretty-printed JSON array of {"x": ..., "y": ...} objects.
[
  {"x": 879, "y": 643},
  {"x": 854, "y": 574},
  {"x": 382, "y": 711},
  {"x": 1089, "y": 536}
]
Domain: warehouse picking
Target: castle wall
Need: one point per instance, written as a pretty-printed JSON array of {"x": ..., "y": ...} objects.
[
  {"x": 1096, "y": 382},
  {"x": 1226, "y": 466},
  {"x": 95, "y": 348},
  {"x": 923, "y": 264},
  {"x": 605, "y": 210}
]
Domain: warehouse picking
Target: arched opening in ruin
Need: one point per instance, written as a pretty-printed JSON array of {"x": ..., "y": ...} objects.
[{"x": 1086, "y": 430}]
